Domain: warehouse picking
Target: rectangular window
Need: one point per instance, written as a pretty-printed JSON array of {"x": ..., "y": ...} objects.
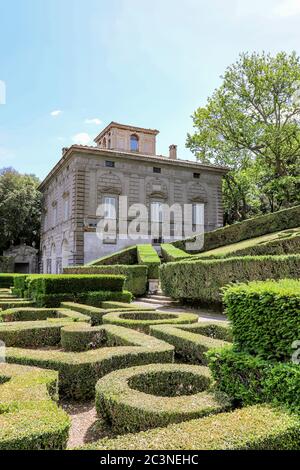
[
  {"x": 196, "y": 175},
  {"x": 110, "y": 164},
  {"x": 110, "y": 204},
  {"x": 66, "y": 208},
  {"x": 198, "y": 214},
  {"x": 156, "y": 169},
  {"x": 156, "y": 211},
  {"x": 54, "y": 215}
]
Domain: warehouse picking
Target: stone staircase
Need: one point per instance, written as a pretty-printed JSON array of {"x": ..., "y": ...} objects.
[{"x": 158, "y": 300}]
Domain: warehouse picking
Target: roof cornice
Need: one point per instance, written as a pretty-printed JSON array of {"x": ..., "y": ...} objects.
[{"x": 159, "y": 159}]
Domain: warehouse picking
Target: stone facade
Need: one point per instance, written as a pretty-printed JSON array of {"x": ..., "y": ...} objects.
[
  {"x": 84, "y": 176},
  {"x": 23, "y": 258}
]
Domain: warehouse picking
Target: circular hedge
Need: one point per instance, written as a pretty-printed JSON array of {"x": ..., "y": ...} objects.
[
  {"x": 142, "y": 320},
  {"x": 155, "y": 395}
]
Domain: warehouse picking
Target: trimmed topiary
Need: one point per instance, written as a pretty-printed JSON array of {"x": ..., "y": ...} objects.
[
  {"x": 253, "y": 428},
  {"x": 155, "y": 395},
  {"x": 35, "y": 328},
  {"x": 192, "y": 342},
  {"x": 142, "y": 320},
  {"x": 79, "y": 371},
  {"x": 136, "y": 275},
  {"x": 265, "y": 317},
  {"x": 89, "y": 298},
  {"x": 29, "y": 418},
  {"x": 248, "y": 379},
  {"x": 202, "y": 281},
  {"x": 171, "y": 253},
  {"x": 15, "y": 303},
  {"x": 147, "y": 255}
]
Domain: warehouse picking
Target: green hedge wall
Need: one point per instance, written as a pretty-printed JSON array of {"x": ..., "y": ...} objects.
[
  {"x": 136, "y": 276},
  {"x": 62, "y": 283},
  {"x": 148, "y": 256},
  {"x": 171, "y": 253},
  {"x": 29, "y": 418},
  {"x": 142, "y": 320},
  {"x": 138, "y": 398},
  {"x": 248, "y": 379},
  {"x": 255, "y": 227},
  {"x": 251, "y": 428},
  {"x": 90, "y": 298},
  {"x": 265, "y": 317},
  {"x": 202, "y": 281},
  {"x": 7, "y": 280},
  {"x": 192, "y": 342},
  {"x": 79, "y": 372},
  {"x": 126, "y": 256}
]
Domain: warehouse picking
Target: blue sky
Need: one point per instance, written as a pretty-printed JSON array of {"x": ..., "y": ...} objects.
[{"x": 72, "y": 66}]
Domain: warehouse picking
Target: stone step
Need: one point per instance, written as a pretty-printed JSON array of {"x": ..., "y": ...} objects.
[
  {"x": 150, "y": 300},
  {"x": 160, "y": 297}
]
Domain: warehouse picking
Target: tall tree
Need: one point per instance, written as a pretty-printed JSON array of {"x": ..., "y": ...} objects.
[
  {"x": 251, "y": 124},
  {"x": 20, "y": 208}
]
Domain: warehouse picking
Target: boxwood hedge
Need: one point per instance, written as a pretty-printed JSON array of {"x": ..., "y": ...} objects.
[
  {"x": 171, "y": 253},
  {"x": 79, "y": 371},
  {"x": 142, "y": 320},
  {"x": 29, "y": 418},
  {"x": 148, "y": 256},
  {"x": 248, "y": 379},
  {"x": 259, "y": 427},
  {"x": 255, "y": 227},
  {"x": 143, "y": 397},
  {"x": 7, "y": 280},
  {"x": 202, "y": 281},
  {"x": 191, "y": 342},
  {"x": 125, "y": 256},
  {"x": 265, "y": 317},
  {"x": 90, "y": 298},
  {"x": 136, "y": 275}
]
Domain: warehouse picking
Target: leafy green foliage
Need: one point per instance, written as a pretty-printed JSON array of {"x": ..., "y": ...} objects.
[
  {"x": 139, "y": 398},
  {"x": 248, "y": 379},
  {"x": 29, "y": 416},
  {"x": 171, "y": 253},
  {"x": 202, "y": 281},
  {"x": 251, "y": 124},
  {"x": 126, "y": 256},
  {"x": 20, "y": 208},
  {"x": 192, "y": 342},
  {"x": 265, "y": 317},
  {"x": 142, "y": 320},
  {"x": 136, "y": 275},
  {"x": 148, "y": 256},
  {"x": 255, "y": 427}
]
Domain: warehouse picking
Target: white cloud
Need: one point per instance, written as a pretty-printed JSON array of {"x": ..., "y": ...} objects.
[
  {"x": 56, "y": 112},
  {"x": 93, "y": 121},
  {"x": 287, "y": 8},
  {"x": 82, "y": 138}
]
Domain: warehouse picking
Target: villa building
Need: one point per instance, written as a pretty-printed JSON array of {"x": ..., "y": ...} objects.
[{"x": 122, "y": 163}]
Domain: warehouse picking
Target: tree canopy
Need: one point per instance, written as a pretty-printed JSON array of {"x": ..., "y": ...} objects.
[
  {"x": 20, "y": 208},
  {"x": 251, "y": 124}
]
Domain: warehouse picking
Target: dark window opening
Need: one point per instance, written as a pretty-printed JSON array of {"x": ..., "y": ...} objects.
[
  {"x": 197, "y": 175},
  {"x": 110, "y": 164},
  {"x": 156, "y": 169}
]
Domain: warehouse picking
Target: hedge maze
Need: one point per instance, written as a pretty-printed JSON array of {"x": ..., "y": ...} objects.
[{"x": 159, "y": 380}]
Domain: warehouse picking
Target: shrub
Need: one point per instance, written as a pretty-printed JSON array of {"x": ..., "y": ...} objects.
[
  {"x": 126, "y": 256},
  {"x": 96, "y": 313},
  {"x": 265, "y": 317},
  {"x": 7, "y": 280},
  {"x": 143, "y": 397},
  {"x": 248, "y": 379},
  {"x": 148, "y": 256},
  {"x": 15, "y": 303},
  {"x": 63, "y": 283},
  {"x": 111, "y": 304},
  {"x": 255, "y": 227},
  {"x": 191, "y": 342},
  {"x": 202, "y": 281},
  {"x": 136, "y": 276},
  {"x": 19, "y": 285},
  {"x": 279, "y": 243},
  {"x": 29, "y": 418},
  {"x": 171, "y": 253},
  {"x": 90, "y": 298},
  {"x": 142, "y": 320},
  {"x": 79, "y": 372},
  {"x": 255, "y": 427}
]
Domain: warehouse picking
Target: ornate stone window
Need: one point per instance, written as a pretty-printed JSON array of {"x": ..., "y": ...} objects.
[{"x": 134, "y": 143}]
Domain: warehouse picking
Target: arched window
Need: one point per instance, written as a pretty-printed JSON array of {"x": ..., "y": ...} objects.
[
  {"x": 104, "y": 143},
  {"x": 134, "y": 143}
]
